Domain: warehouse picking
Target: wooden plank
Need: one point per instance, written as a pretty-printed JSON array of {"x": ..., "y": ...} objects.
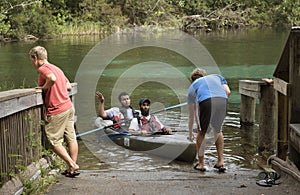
[
  {"x": 283, "y": 68},
  {"x": 253, "y": 94},
  {"x": 295, "y": 136},
  {"x": 7, "y": 106},
  {"x": 247, "y": 110},
  {"x": 294, "y": 92},
  {"x": 281, "y": 86},
  {"x": 17, "y": 104},
  {"x": 15, "y": 93},
  {"x": 267, "y": 125},
  {"x": 16, "y": 100},
  {"x": 282, "y": 125},
  {"x": 251, "y": 85}
]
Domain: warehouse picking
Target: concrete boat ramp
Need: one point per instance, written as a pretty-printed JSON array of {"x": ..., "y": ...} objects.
[{"x": 169, "y": 182}]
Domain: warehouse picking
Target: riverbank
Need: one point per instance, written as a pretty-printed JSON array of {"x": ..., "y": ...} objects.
[
  {"x": 169, "y": 182},
  {"x": 19, "y": 18}
]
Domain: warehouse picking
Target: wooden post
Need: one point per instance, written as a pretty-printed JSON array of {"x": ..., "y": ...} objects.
[
  {"x": 282, "y": 123},
  {"x": 294, "y": 100},
  {"x": 250, "y": 91},
  {"x": 247, "y": 110},
  {"x": 283, "y": 91},
  {"x": 266, "y": 135}
]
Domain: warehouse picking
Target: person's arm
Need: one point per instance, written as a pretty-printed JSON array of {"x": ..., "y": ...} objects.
[
  {"x": 69, "y": 86},
  {"x": 101, "y": 111},
  {"x": 224, "y": 85},
  {"x": 227, "y": 89},
  {"x": 50, "y": 80},
  {"x": 270, "y": 81},
  {"x": 191, "y": 111},
  {"x": 163, "y": 128},
  {"x": 191, "y": 100},
  {"x": 134, "y": 127}
]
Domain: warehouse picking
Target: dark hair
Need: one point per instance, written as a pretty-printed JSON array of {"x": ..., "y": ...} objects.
[{"x": 122, "y": 94}]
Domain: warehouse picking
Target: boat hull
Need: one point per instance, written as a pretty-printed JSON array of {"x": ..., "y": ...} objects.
[{"x": 172, "y": 147}]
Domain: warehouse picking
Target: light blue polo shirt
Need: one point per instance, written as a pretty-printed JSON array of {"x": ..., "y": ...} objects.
[{"x": 206, "y": 87}]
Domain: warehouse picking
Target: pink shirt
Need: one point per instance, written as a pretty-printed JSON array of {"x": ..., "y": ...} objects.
[{"x": 56, "y": 99}]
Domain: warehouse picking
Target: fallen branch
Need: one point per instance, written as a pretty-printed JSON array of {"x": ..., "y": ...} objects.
[{"x": 23, "y": 5}]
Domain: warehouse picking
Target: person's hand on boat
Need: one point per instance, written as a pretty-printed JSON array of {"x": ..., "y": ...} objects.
[
  {"x": 100, "y": 97},
  {"x": 167, "y": 130},
  {"x": 191, "y": 136}
]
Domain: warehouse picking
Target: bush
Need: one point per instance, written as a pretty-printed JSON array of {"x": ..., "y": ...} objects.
[{"x": 41, "y": 24}]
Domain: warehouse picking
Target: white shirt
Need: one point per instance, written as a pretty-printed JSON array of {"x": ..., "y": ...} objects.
[{"x": 134, "y": 125}]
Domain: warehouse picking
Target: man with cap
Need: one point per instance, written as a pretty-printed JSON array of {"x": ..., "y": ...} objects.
[{"x": 147, "y": 123}]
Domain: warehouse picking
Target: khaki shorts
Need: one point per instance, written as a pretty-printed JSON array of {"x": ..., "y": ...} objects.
[{"x": 60, "y": 127}]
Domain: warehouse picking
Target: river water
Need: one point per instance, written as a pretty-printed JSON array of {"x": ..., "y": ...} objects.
[{"x": 155, "y": 66}]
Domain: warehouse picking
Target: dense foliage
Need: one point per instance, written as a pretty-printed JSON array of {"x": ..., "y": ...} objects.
[{"x": 44, "y": 18}]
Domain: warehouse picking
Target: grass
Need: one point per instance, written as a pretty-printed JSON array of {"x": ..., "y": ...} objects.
[
  {"x": 5, "y": 86},
  {"x": 46, "y": 178},
  {"x": 87, "y": 28}
]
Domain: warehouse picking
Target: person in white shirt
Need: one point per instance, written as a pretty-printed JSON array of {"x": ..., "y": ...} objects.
[
  {"x": 116, "y": 114},
  {"x": 147, "y": 124}
]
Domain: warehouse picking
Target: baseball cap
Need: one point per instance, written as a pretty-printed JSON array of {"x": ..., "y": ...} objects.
[{"x": 144, "y": 100}]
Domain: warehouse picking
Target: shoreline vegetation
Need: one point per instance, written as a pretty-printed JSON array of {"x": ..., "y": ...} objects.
[{"x": 27, "y": 20}]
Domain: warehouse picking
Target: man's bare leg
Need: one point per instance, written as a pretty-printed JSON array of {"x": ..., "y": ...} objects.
[
  {"x": 73, "y": 150},
  {"x": 220, "y": 148},
  {"x": 200, "y": 144},
  {"x": 62, "y": 153}
]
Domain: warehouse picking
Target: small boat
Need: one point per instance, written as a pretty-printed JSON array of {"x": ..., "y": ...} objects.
[{"x": 173, "y": 147}]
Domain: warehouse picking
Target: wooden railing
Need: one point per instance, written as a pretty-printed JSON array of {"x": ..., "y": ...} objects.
[{"x": 21, "y": 130}]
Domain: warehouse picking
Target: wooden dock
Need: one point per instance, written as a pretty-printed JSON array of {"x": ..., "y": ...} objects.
[{"x": 279, "y": 105}]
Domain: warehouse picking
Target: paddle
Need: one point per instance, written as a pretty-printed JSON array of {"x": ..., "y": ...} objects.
[
  {"x": 122, "y": 121},
  {"x": 169, "y": 108},
  {"x": 118, "y": 135}
]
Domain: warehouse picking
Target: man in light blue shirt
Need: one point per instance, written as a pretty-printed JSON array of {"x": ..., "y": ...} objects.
[{"x": 207, "y": 104}]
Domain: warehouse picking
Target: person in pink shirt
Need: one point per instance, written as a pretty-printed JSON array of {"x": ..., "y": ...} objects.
[{"x": 59, "y": 109}]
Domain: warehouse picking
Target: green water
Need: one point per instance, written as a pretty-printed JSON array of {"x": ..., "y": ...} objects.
[{"x": 247, "y": 54}]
